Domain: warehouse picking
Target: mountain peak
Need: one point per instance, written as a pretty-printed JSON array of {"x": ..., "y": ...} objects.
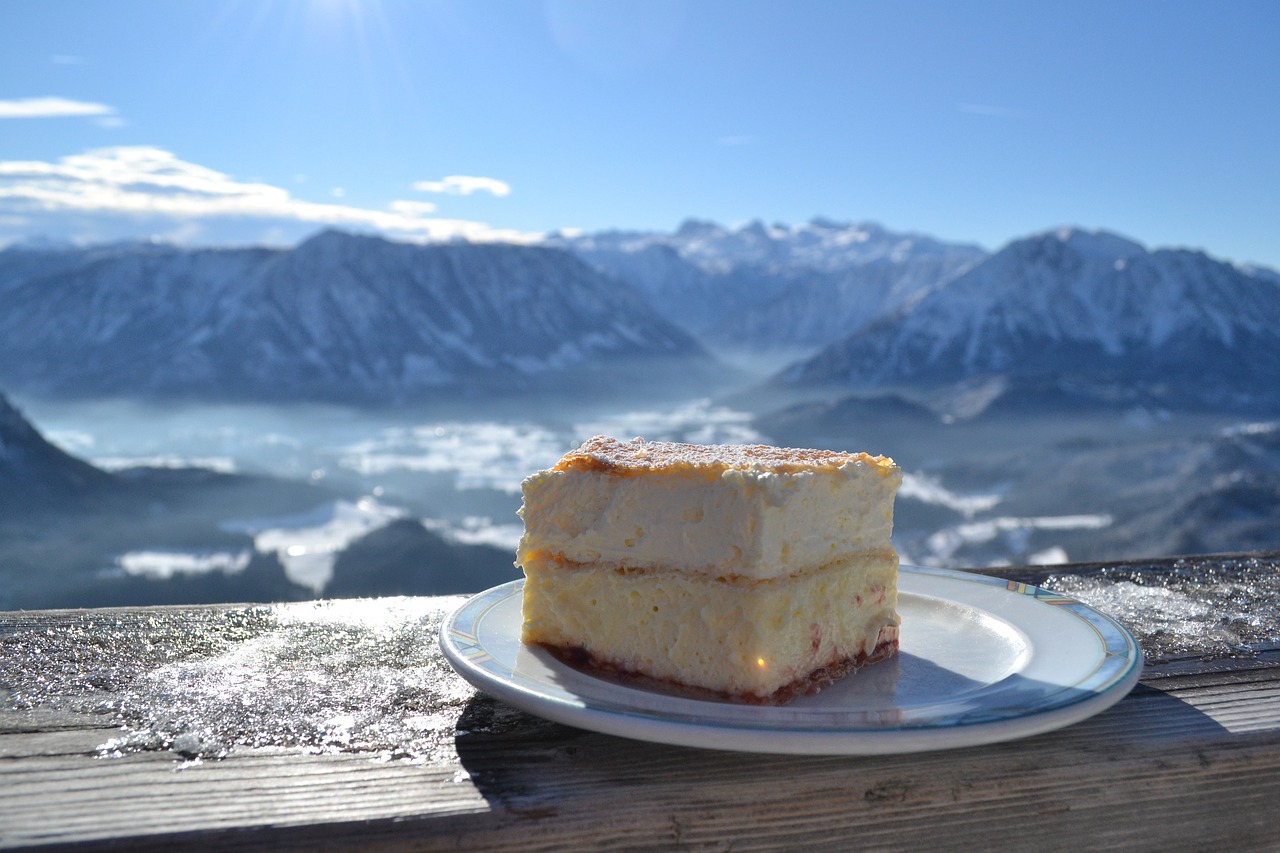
[
  {"x": 692, "y": 229},
  {"x": 330, "y": 239},
  {"x": 341, "y": 317},
  {"x": 1095, "y": 244},
  {"x": 39, "y": 243},
  {"x": 15, "y": 431},
  {"x": 36, "y": 473},
  {"x": 1073, "y": 302}
]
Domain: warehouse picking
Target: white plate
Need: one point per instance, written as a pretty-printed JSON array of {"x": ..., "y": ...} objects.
[{"x": 980, "y": 660}]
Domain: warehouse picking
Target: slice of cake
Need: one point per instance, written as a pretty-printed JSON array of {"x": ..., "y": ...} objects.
[{"x": 756, "y": 573}]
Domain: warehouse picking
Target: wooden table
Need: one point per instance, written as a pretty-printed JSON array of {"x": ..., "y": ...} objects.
[{"x": 339, "y": 726}]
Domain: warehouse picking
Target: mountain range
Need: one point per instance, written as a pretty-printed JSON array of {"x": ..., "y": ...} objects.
[
  {"x": 1075, "y": 315},
  {"x": 340, "y": 317},
  {"x": 778, "y": 286},
  {"x": 1071, "y": 393},
  {"x": 1090, "y": 310}
]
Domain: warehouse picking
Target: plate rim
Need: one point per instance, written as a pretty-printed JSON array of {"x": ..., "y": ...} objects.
[{"x": 1117, "y": 670}]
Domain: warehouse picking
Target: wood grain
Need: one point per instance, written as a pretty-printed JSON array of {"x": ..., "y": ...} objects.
[{"x": 1189, "y": 761}]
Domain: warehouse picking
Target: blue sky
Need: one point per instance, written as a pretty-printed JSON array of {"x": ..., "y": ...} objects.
[{"x": 266, "y": 120}]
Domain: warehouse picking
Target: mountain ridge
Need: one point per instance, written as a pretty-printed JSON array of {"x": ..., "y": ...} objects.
[
  {"x": 1071, "y": 303},
  {"x": 349, "y": 318},
  {"x": 35, "y": 474},
  {"x": 779, "y": 286},
  {"x": 340, "y": 317}
]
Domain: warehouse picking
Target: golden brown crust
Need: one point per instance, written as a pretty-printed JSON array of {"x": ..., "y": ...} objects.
[
  {"x": 637, "y": 456},
  {"x": 580, "y": 658}
]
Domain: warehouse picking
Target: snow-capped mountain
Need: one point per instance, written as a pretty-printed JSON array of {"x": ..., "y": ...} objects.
[
  {"x": 1092, "y": 306},
  {"x": 774, "y": 286},
  {"x": 820, "y": 245},
  {"x": 819, "y": 309},
  {"x": 339, "y": 317},
  {"x": 677, "y": 288}
]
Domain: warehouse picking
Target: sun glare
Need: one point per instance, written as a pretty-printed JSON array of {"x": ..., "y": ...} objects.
[{"x": 326, "y": 25}]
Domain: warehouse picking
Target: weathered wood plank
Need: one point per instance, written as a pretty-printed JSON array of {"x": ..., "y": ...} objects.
[
  {"x": 968, "y": 800},
  {"x": 1189, "y": 761},
  {"x": 1140, "y": 760}
]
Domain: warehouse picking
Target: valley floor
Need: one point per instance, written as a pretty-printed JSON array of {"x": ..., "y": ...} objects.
[{"x": 310, "y": 501}]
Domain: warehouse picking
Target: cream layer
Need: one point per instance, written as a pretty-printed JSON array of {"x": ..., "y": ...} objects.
[
  {"x": 740, "y": 638},
  {"x": 751, "y": 522}
]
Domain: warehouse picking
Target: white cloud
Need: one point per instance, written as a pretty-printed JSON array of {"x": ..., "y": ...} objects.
[
  {"x": 413, "y": 208},
  {"x": 152, "y": 184},
  {"x": 52, "y": 108},
  {"x": 464, "y": 185}
]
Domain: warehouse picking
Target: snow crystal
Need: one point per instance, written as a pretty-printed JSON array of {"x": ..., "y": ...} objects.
[
  {"x": 362, "y": 676},
  {"x": 1223, "y": 610}
]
